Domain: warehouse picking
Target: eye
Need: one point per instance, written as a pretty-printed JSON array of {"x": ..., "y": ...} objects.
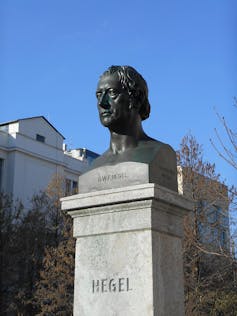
[
  {"x": 98, "y": 94},
  {"x": 113, "y": 93}
]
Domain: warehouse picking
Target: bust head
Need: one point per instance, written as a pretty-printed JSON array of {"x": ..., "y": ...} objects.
[
  {"x": 132, "y": 157},
  {"x": 122, "y": 89}
]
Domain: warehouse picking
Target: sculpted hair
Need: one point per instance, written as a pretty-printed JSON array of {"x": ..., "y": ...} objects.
[{"x": 136, "y": 86}]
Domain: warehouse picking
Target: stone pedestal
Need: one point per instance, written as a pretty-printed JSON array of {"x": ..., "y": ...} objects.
[{"x": 128, "y": 251}]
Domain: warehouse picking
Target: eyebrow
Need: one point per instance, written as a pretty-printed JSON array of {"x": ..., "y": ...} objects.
[{"x": 110, "y": 88}]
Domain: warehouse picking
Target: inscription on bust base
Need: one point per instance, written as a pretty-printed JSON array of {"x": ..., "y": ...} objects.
[
  {"x": 127, "y": 173},
  {"x": 111, "y": 285},
  {"x": 112, "y": 177}
]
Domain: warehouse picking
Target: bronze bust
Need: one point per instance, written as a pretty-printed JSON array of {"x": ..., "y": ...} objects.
[{"x": 122, "y": 101}]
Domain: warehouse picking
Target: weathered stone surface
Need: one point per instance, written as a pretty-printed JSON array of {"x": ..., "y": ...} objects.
[
  {"x": 128, "y": 251},
  {"x": 141, "y": 192},
  {"x": 130, "y": 272}
]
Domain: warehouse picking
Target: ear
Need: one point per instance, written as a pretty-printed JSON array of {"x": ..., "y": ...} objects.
[{"x": 134, "y": 103}]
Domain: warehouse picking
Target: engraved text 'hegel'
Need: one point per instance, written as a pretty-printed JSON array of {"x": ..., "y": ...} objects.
[{"x": 111, "y": 285}]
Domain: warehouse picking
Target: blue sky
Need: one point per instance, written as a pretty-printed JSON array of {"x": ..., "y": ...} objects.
[{"x": 52, "y": 53}]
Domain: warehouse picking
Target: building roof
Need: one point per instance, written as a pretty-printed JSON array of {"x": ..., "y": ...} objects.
[{"x": 29, "y": 118}]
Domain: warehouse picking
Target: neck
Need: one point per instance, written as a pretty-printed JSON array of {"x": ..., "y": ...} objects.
[{"x": 121, "y": 141}]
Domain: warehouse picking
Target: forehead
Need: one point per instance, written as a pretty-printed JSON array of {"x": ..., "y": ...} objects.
[{"x": 109, "y": 81}]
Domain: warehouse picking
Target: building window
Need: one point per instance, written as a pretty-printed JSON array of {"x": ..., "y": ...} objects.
[
  {"x": 74, "y": 187},
  {"x": 1, "y": 172},
  {"x": 40, "y": 138},
  {"x": 68, "y": 187},
  {"x": 71, "y": 187}
]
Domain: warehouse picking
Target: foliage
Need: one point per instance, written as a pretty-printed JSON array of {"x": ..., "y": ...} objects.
[
  {"x": 208, "y": 261},
  {"x": 24, "y": 235},
  {"x": 37, "y": 255},
  {"x": 213, "y": 303},
  {"x": 225, "y": 144},
  {"x": 10, "y": 221},
  {"x": 54, "y": 290}
]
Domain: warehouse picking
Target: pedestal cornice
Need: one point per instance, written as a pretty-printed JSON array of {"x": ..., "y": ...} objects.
[{"x": 75, "y": 204}]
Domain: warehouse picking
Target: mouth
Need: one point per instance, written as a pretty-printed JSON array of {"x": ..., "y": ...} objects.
[{"x": 106, "y": 113}]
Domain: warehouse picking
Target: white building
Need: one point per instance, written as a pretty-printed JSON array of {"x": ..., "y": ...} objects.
[{"x": 32, "y": 153}]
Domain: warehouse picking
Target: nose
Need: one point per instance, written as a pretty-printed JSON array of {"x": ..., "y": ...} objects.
[{"x": 104, "y": 100}]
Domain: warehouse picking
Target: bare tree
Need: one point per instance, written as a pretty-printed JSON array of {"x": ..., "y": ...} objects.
[
  {"x": 209, "y": 274},
  {"x": 226, "y": 149},
  {"x": 54, "y": 290}
]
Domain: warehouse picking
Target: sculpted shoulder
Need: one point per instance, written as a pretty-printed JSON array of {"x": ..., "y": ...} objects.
[
  {"x": 145, "y": 152},
  {"x": 150, "y": 162}
]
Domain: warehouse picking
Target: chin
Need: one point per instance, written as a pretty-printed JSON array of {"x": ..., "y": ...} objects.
[{"x": 106, "y": 122}]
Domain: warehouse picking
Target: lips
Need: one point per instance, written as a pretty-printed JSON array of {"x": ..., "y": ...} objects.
[{"x": 106, "y": 113}]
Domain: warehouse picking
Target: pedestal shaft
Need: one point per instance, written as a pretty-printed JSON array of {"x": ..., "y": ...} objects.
[{"x": 128, "y": 251}]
